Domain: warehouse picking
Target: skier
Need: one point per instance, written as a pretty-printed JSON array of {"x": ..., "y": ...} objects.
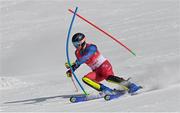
[{"x": 101, "y": 68}]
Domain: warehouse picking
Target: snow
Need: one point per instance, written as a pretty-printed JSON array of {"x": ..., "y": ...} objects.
[
  {"x": 32, "y": 54},
  {"x": 10, "y": 82}
]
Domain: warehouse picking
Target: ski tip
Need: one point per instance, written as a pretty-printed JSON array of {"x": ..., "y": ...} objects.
[
  {"x": 129, "y": 78},
  {"x": 72, "y": 99},
  {"x": 107, "y": 97},
  {"x": 140, "y": 87},
  {"x": 113, "y": 96}
]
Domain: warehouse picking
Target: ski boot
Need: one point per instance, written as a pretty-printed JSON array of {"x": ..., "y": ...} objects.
[
  {"x": 106, "y": 90},
  {"x": 133, "y": 88},
  {"x": 130, "y": 87}
]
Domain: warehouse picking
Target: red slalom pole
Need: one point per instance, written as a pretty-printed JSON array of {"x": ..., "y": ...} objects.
[{"x": 103, "y": 32}]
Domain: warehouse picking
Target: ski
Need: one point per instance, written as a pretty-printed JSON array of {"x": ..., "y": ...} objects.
[
  {"x": 135, "y": 93},
  {"x": 83, "y": 98},
  {"x": 118, "y": 94},
  {"x": 107, "y": 97}
]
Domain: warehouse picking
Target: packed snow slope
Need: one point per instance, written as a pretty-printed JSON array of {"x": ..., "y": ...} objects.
[{"x": 32, "y": 53}]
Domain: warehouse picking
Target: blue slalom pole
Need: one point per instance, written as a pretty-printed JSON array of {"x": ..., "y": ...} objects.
[{"x": 67, "y": 52}]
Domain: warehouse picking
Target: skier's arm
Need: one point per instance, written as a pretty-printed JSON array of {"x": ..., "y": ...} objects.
[{"x": 90, "y": 51}]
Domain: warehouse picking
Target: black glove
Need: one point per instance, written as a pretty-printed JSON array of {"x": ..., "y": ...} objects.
[
  {"x": 74, "y": 65},
  {"x": 69, "y": 73},
  {"x": 68, "y": 66}
]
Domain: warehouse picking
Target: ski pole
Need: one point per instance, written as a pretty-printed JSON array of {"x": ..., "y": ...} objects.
[
  {"x": 67, "y": 52},
  {"x": 67, "y": 66},
  {"x": 76, "y": 89},
  {"x": 102, "y": 31}
]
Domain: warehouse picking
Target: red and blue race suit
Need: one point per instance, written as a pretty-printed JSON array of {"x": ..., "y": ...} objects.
[{"x": 101, "y": 67}]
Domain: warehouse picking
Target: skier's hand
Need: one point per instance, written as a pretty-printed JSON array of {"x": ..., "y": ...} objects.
[
  {"x": 68, "y": 66},
  {"x": 74, "y": 65},
  {"x": 69, "y": 73}
]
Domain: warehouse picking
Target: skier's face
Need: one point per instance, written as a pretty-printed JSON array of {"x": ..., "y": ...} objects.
[
  {"x": 76, "y": 44},
  {"x": 80, "y": 44}
]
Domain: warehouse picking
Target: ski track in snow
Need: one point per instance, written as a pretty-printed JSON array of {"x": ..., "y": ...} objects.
[{"x": 33, "y": 35}]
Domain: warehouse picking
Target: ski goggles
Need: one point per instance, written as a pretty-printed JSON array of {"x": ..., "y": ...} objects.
[{"x": 78, "y": 44}]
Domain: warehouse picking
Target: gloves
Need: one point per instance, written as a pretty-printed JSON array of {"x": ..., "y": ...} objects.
[
  {"x": 74, "y": 65},
  {"x": 68, "y": 66},
  {"x": 69, "y": 73}
]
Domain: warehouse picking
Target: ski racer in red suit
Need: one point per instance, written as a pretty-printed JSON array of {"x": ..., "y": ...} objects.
[{"x": 101, "y": 67}]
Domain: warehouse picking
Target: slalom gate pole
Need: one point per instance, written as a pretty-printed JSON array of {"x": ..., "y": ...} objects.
[
  {"x": 102, "y": 31},
  {"x": 67, "y": 52}
]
